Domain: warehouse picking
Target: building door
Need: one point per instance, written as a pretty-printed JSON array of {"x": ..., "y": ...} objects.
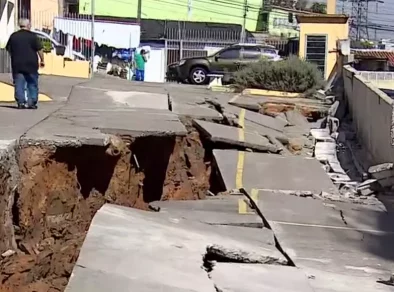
[{"x": 316, "y": 51}]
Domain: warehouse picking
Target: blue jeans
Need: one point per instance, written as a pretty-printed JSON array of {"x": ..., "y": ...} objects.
[
  {"x": 24, "y": 81},
  {"x": 139, "y": 75}
]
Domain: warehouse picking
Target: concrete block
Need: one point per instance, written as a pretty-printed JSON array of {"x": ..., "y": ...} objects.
[
  {"x": 237, "y": 137},
  {"x": 269, "y": 171},
  {"x": 230, "y": 277},
  {"x": 159, "y": 251}
]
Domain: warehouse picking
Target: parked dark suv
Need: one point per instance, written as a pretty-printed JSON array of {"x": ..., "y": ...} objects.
[{"x": 226, "y": 61}]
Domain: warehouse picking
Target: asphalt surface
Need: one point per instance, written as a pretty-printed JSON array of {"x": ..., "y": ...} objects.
[{"x": 334, "y": 246}]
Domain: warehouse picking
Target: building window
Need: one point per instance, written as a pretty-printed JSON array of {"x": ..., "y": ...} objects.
[{"x": 316, "y": 51}]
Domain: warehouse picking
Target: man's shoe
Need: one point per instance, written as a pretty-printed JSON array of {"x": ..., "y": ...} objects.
[
  {"x": 32, "y": 107},
  {"x": 21, "y": 106}
]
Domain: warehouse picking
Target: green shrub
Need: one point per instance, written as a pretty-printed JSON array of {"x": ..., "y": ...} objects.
[
  {"x": 291, "y": 75},
  {"x": 46, "y": 45}
]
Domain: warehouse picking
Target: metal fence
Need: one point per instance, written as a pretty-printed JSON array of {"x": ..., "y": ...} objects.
[
  {"x": 186, "y": 43},
  {"x": 5, "y": 62}
]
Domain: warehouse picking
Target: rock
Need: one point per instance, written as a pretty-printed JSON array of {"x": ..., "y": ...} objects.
[
  {"x": 366, "y": 192},
  {"x": 320, "y": 94},
  {"x": 380, "y": 167},
  {"x": 295, "y": 144},
  {"x": 333, "y": 124},
  {"x": 115, "y": 146},
  {"x": 296, "y": 118},
  {"x": 325, "y": 151},
  {"x": 8, "y": 253},
  {"x": 333, "y": 109},
  {"x": 19, "y": 265},
  {"x": 366, "y": 184}
]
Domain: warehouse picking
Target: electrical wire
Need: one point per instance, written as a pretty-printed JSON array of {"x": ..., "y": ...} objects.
[
  {"x": 195, "y": 8},
  {"x": 229, "y": 3}
]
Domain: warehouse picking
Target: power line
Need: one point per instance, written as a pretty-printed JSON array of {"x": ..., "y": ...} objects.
[
  {"x": 228, "y": 3},
  {"x": 196, "y": 8}
]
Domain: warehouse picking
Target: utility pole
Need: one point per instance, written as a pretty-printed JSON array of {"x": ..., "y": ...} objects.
[
  {"x": 139, "y": 11},
  {"x": 60, "y": 6},
  {"x": 189, "y": 9},
  {"x": 93, "y": 48},
  {"x": 243, "y": 33},
  {"x": 359, "y": 18},
  {"x": 16, "y": 14}
]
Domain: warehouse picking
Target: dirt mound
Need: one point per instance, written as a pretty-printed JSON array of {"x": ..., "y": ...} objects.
[{"x": 61, "y": 190}]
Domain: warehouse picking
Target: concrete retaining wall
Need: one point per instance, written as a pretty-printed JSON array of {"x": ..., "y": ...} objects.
[{"x": 372, "y": 113}]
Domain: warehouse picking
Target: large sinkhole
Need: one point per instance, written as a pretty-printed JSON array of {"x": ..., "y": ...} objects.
[{"x": 46, "y": 217}]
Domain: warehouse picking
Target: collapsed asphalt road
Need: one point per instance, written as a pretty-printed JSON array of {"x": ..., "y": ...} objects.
[{"x": 110, "y": 143}]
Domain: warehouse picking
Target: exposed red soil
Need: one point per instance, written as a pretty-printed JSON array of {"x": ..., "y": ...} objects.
[
  {"x": 274, "y": 108},
  {"x": 61, "y": 190}
]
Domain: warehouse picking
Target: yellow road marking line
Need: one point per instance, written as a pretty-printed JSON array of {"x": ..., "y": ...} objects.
[
  {"x": 243, "y": 206},
  {"x": 241, "y": 154}
]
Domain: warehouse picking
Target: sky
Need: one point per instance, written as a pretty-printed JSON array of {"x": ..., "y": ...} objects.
[{"x": 381, "y": 14}]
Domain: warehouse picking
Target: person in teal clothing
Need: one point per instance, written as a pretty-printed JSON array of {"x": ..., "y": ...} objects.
[{"x": 139, "y": 61}]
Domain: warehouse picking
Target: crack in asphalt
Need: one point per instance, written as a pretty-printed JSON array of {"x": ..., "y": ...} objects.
[{"x": 342, "y": 217}]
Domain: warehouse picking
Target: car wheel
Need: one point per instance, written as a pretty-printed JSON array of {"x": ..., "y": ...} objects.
[{"x": 198, "y": 76}]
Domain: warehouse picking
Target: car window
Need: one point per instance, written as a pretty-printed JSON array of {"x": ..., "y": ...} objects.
[
  {"x": 251, "y": 53},
  {"x": 269, "y": 51},
  {"x": 232, "y": 53}
]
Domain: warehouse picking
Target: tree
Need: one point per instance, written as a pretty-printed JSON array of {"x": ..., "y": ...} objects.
[
  {"x": 302, "y": 4},
  {"x": 319, "y": 7}
]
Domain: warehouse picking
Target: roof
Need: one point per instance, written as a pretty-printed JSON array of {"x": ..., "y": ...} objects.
[
  {"x": 374, "y": 55},
  {"x": 322, "y": 18}
]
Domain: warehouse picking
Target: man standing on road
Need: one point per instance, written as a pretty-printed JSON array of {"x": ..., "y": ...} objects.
[
  {"x": 139, "y": 61},
  {"x": 24, "y": 47}
]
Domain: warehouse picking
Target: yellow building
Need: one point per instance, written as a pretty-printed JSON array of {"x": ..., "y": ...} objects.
[
  {"x": 43, "y": 12},
  {"x": 319, "y": 35}
]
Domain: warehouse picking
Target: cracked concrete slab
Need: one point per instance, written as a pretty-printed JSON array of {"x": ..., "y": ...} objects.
[
  {"x": 219, "y": 210},
  {"x": 17, "y": 122},
  {"x": 298, "y": 210},
  {"x": 316, "y": 234},
  {"x": 264, "y": 131},
  {"x": 91, "y": 126},
  {"x": 323, "y": 281},
  {"x": 196, "y": 111},
  {"x": 136, "y": 99},
  {"x": 161, "y": 251},
  {"x": 232, "y": 136},
  {"x": 194, "y": 106},
  {"x": 258, "y": 119},
  {"x": 230, "y": 277},
  {"x": 334, "y": 250},
  {"x": 275, "y": 172}
]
